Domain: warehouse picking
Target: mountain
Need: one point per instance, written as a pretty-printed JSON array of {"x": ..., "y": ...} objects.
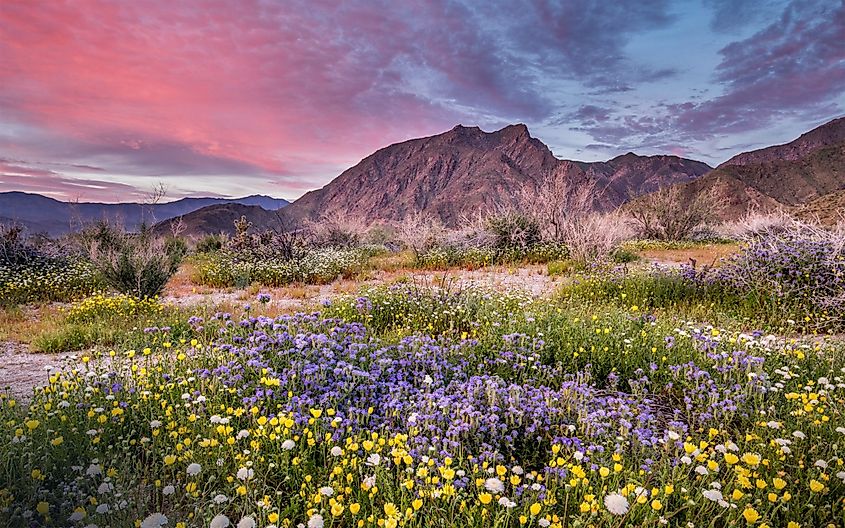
[
  {"x": 466, "y": 169},
  {"x": 40, "y": 214},
  {"x": 788, "y": 177},
  {"x": 220, "y": 218}
]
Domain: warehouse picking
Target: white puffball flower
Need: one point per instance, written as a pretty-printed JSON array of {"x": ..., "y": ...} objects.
[
  {"x": 288, "y": 444},
  {"x": 219, "y": 521},
  {"x": 616, "y": 504},
  {"x": 246, "y": 522},
  {"x": 194, "y": 469},
  {"x": 494, "y": 485},
  {"x": 316, "y": 521},
  {"x": 154, "y": 520},
  {"x": 336, "y": 451}
]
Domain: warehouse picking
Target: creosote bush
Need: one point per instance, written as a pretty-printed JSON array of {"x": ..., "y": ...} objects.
[{"x": 138, "y": 264}]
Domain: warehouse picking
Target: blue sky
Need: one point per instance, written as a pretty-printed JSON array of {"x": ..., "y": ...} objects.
[{"x": 103, "y": 100}]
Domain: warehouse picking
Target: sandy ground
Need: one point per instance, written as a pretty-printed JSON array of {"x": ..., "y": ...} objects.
[{"x": 21, "y": 370}]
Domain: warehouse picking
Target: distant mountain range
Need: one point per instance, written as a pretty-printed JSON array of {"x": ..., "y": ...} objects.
[
  {"x": 465, "y": 169},
  {"x": 40, "y": 214}
]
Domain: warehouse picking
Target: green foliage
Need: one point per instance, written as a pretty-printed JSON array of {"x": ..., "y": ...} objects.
[
  {"x": 624, "y": 256},
  {"x": 514, "y": 231},
  {"x": 210, "y": 244},
  {"x": 135, "y": 264},
  {"x": 319, "y": 266}
]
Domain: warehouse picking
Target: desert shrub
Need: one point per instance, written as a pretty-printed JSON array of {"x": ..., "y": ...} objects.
[
  {"x": 336, "y": 231},
  {"x": 623, "y": 256},
  {"x": 514, "y": 231},
  {"x": 593, "y": 237},
  {"x": 754, "y": 223},
  {"x": 800, "y": 266},
  {"x": 210, "y": 244},
  {"x": 667, "y": 214},
  {"x": 383, "y": 235},
  {"x": 568, "y": 213},
  {"x": 135, "y": 264},
  {"x": 419, "y": 232}
]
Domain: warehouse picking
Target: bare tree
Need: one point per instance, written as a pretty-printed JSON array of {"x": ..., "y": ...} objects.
[
  {"x": 148, "y": 203},
  {"x": 567, "y": 213},
  {"x": 668, "y": 215},
  {"x": 177, "y": 226}
]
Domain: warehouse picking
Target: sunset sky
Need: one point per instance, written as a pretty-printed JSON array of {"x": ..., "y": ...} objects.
[{"x": 101, "y": 100}]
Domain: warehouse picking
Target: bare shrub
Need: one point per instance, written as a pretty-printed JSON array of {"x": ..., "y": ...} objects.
[
  {"x": 418, "y": 231},
  {"x": 566, "y": 213},
  {"x": 337, "y": 231},
  {"x": 287, "y": 241},
  {"x": 753, "y": 223},
  {"x": 556, "y": 203},
  {"x": 667, "y": 215}
]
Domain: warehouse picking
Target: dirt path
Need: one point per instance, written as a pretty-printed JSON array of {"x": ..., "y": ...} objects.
[
  {"x": 530, "y": 279},
  {"x": 21, "y": 370}
]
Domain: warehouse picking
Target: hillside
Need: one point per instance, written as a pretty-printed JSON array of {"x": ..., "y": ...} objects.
[
  {"x": 221, "y": 218},
  {"x": 784, "y": 177},
  {"x": 466, "y": 169},
  {"x": 40, "y": 214}
]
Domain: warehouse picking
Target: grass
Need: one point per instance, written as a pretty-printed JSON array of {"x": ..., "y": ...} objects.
[{"x": 667, "y": 293}]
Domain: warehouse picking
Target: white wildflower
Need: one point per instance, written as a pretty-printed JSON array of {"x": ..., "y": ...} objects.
[
  {"x": 316, "y": 521},
  {"x": 616, "y": 504},
  {"x": 219, "y": 521},
  {"x": 494, "y": 485},
  {"x": 246, "y": 522},
  {"x": 155, "y": 520}
]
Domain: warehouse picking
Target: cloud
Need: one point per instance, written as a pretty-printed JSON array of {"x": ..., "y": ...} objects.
[
  {"x": 16, "y": 175},
  {"x": 263, "y": 90},
  {"x": 793, "y": 67}
]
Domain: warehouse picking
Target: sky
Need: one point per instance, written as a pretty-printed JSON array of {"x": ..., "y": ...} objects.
[{"x": 102, "y": 100}]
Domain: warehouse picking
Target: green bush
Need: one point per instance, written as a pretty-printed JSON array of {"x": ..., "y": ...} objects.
[
  {"x": 210, "y": 244},
  {"x": 135, "y": 264}
]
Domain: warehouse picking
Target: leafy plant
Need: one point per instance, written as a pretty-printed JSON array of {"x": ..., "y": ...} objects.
[{"x": 138, "y": 264}]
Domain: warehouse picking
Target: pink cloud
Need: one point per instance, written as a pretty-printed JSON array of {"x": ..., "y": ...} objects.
[{"x": 278, "y": 91}]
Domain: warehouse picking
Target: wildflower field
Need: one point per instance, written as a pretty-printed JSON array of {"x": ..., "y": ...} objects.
[
  {"x": 527, "y": 413},
  {"x": 631, "y": 396}
]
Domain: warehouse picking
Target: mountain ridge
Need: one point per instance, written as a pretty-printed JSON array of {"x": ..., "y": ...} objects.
[
  {"x": 788, "y": 177},
  {"x": 43, "y": 214}
]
